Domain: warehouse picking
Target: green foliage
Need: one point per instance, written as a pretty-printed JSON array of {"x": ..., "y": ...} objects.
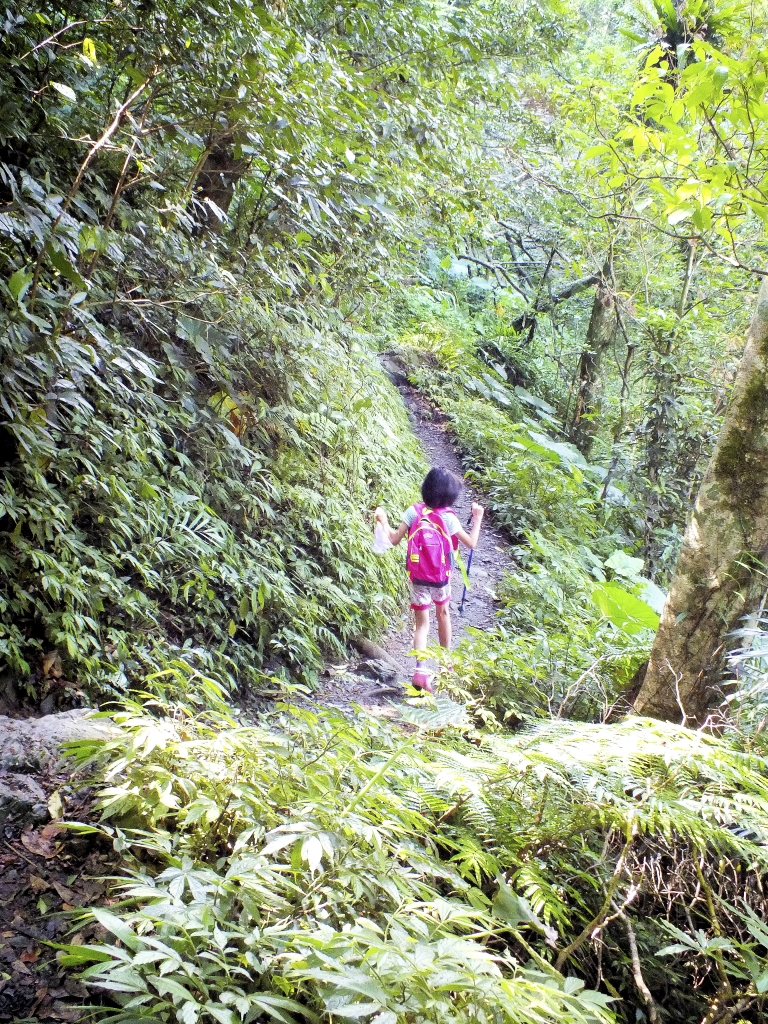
[
  {"x": 715, "y": 90},
  {"x": 124, "y": 550},
  {"x": 557, "y": 650},
  {"x": 569, "y": 639},
  {"x": 629, "y": 613},
  {"x": 295, "y": 871},
  {"x": 198, "y": 204},
  {"x": 313, "y": 867},
  {"x": 193, "y": 432},
  {"x": 532, "y": 477}
]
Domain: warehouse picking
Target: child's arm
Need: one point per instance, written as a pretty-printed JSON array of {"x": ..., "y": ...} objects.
[
  {"x": 471, "y": 538},
  {"x": 395, "y": 536}
]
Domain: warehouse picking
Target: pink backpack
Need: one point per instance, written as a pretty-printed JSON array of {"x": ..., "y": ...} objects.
[{"x": 429, "y": 548}]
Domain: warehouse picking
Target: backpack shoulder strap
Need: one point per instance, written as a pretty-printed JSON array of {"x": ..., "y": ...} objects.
[
  {"x": 452, "y": 537},
  {"x": 418, "y": 508}
]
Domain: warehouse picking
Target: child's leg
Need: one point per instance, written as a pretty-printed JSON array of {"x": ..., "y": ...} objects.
[
  {"x": 421, "y": 602},
  {"x": 443, "y": 616},
  {"x": 421, "y": 632},
  {"x": 422, "y": 677}
]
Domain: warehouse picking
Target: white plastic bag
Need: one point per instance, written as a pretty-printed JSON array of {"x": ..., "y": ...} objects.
[{"x": 381, "y": 541}]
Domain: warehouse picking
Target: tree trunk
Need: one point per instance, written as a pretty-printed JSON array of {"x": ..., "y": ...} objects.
[
  {"x": 600, "y": 334},
  {"x": 719, "y": 576},
  {"x": 659, "y": 456},
  {"x": 217, "y": 179},
  {"x": 546, "y": 303}
]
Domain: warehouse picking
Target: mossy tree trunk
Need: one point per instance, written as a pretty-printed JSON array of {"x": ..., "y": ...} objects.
[
  {"x": 600, "y": 334},
  {"x": 717, "y": 578}
]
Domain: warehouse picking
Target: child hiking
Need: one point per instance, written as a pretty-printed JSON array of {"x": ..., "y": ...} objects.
[{"x": 434, "y": 532}]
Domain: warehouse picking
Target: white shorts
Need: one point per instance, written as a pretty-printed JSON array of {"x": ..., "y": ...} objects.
[{"x": 422, "y": 596}]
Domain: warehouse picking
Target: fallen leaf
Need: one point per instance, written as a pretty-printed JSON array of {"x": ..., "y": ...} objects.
[
  {"x": 51, "y": 830},
  {"x": 22, "y": 968},
  {"x": 66, "y": 894},
  {"x": 52, "y": 665},
  {"x": 28, "y": 957},
  {"x": 38, "y": 884},
  {"x": 40, "y": 843},
  {"x": 41, "y": 998},
  {"x": 55, "y": 806},
  {"x": 61, "y": 1012},
  {"x": 93, "y": 890}
]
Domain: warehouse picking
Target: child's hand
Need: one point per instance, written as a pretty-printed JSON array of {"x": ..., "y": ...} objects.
[
  {"x": 379, "y": 514},
  {"x": 477, "y": 511}
]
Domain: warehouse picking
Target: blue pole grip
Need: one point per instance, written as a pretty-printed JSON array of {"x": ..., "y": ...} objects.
[{"x": 469, "y": 566}]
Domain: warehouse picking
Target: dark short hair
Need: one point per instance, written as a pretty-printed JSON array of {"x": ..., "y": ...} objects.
[{"x": 441, "y": 487}]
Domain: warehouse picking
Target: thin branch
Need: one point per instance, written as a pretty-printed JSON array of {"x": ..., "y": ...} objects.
[
  {"x": 545, "y": 303},
  {"x": 543, "y": 280},
  {"x": 725, "y": 981},
  {"x": 95, "y": 148},
  {"x": 637, "y": 972},
  {"x": 121, "y": 180},
  {"x": 687, "y": 279},
  {"x": 451, "y": 810},
  {"x": 719, "y": 1014},
  {"x": 50, "y": 39},
  {"x": 597, "y": 922},
  {"x": 495, "y": 269}
]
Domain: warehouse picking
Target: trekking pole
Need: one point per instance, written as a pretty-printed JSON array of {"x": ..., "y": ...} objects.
[{"x": 469, "y": 566}]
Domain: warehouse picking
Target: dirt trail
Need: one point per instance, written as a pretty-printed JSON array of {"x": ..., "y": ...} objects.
[{"x": 343, "y": 685}]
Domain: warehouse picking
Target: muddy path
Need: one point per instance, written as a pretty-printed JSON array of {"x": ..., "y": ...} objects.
[{"x": 364, "y": 681}]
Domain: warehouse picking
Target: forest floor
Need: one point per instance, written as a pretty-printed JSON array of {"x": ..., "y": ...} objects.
[
  {"x": 46, "y": 872},
  {"x": 346, "y": 684}
]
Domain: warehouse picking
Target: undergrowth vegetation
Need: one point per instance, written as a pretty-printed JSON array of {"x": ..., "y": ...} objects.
[
  {"x": 193, "y": 431},
  {"x": 314, "y": 866},
  {"x": 159, "y": 532}
]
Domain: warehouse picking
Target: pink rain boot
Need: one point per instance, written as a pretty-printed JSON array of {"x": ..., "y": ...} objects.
[{"x": 422, "y": 680}]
